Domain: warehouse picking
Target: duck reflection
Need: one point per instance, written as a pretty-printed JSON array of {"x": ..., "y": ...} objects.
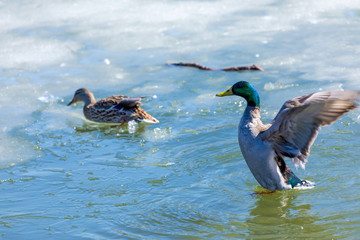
[
  {"x": 111, "y": 129},
  {"x": 279, "y": 213}
]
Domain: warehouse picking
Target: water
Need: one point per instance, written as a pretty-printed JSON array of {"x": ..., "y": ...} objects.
[{"x": 62, "y": 177}]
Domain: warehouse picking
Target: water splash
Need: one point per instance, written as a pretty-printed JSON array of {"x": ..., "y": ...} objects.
[
  {"x": 277, "y": 86},
  {"x": 48, "y": 98},
  {"x": 306, "y": 185},
  {"x": 132, "y": 125}
]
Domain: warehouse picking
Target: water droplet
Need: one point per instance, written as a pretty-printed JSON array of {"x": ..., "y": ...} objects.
[{"x": 107, "y": 61}]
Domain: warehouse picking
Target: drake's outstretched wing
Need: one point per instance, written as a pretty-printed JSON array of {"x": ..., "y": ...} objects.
[{"x": 296, "y": 126}]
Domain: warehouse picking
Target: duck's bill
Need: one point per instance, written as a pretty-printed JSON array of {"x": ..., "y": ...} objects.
[
  {"x": 228, "y": 92},
  {"x": 72, "y": 102}
]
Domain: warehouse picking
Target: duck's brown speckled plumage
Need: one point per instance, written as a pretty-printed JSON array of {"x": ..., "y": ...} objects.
[{"x": 113, "y": 109}]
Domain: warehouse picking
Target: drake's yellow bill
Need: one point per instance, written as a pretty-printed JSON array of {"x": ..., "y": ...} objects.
[{"x": 228, "y": 92}]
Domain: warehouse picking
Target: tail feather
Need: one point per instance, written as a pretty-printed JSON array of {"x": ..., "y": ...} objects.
[
  {"x": 288, "y": 175},
  {"x": 143, "y": 116}
]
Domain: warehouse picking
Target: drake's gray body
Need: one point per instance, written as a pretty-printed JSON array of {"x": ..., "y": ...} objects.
[{"x": 259, "y": 155}]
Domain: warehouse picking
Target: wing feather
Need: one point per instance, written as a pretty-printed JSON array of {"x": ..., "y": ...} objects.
[
  {"x": 119, "y": 101},
  {"x": 296, "y": 126}
]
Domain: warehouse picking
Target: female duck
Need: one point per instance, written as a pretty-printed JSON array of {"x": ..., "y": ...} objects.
[
  {"x": 114, "y": 109},
  {"x": 290, "y": 134}
]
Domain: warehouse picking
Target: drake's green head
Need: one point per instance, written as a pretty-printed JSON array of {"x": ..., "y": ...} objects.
[{"x": 245, "y": 90}]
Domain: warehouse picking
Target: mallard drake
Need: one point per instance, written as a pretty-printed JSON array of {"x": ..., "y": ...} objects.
[
  {"x": 290, "y": 134},
  {"x": 114, "y": 109}
]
